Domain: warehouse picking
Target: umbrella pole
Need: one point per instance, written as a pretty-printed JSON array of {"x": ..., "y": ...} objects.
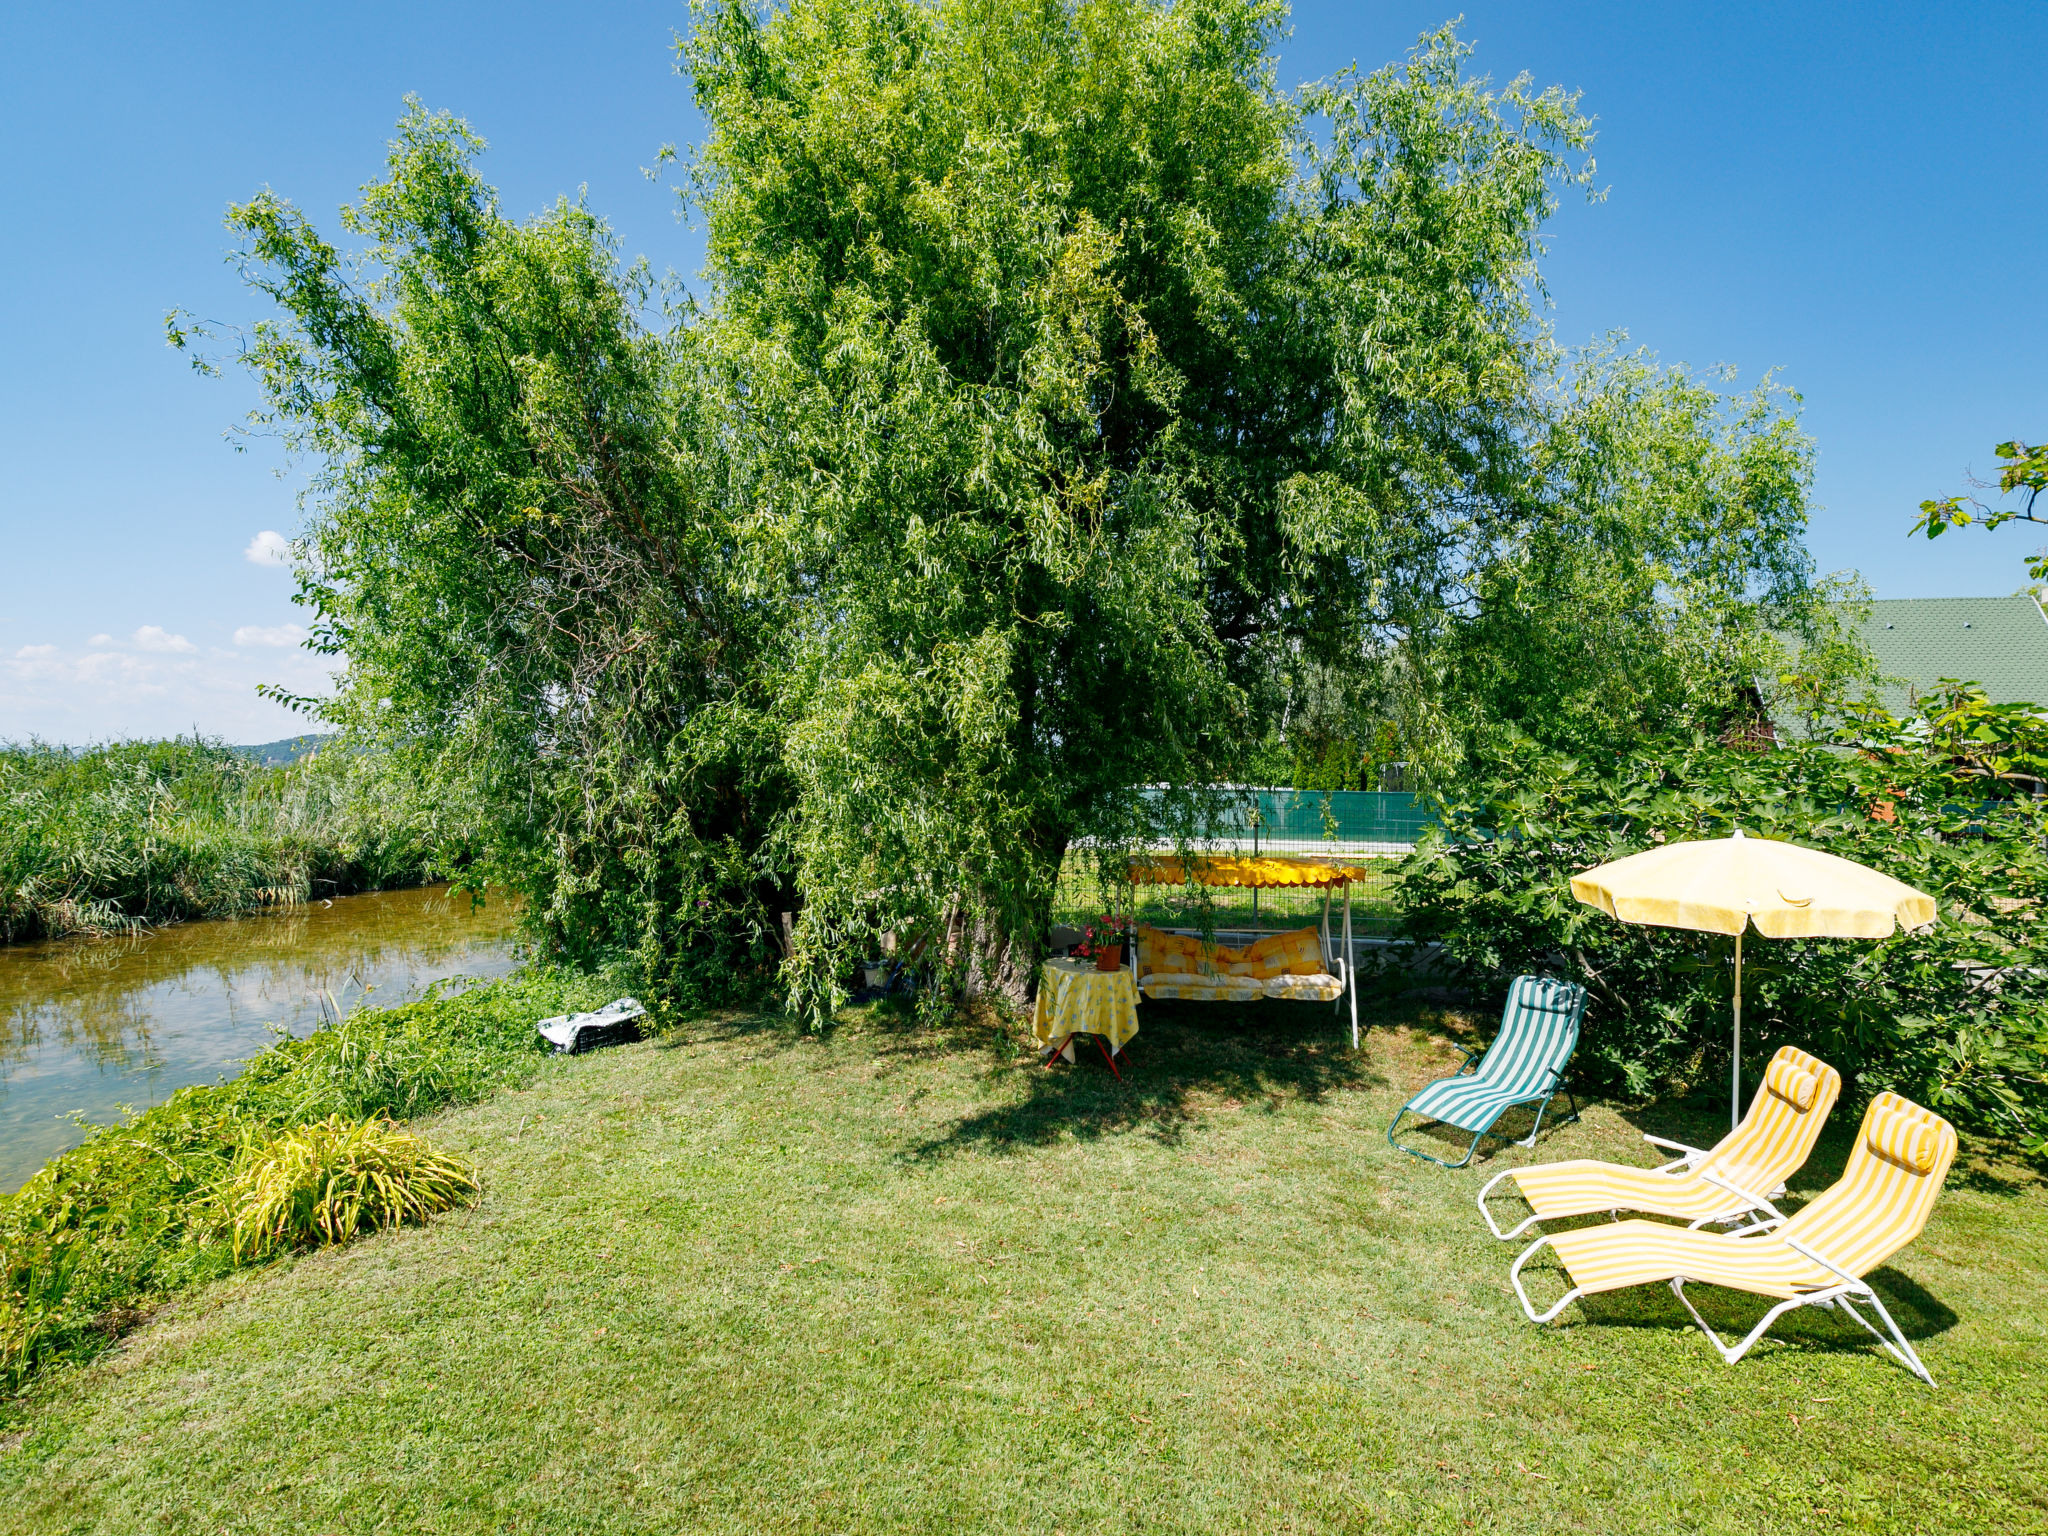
[
  {"x": 1350, "y": 966},
  {"x": 1735, "y": 1080}
]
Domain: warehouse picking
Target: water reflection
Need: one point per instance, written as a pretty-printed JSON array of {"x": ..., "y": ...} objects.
[{"x": 98, "y": 1024}]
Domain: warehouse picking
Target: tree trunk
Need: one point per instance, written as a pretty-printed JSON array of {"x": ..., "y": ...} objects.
[
  {"x": 999, "y": 959},
  {"x": 1002, "y": 966}
]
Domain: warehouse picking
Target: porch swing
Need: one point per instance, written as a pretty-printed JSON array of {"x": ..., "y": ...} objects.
[{"x": 1300, "y": 965}]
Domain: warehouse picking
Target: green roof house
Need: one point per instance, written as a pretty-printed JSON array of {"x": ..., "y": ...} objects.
[{"x": 1999, "y": 642}]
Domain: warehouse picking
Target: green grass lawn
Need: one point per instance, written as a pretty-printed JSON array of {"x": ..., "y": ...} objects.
[{"x": 739, "y": 1280}]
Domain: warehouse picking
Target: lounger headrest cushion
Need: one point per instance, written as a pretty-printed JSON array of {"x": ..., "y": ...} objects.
[
  {"x": 1795, "y": 1085},
  {"x": 1903, "y": 1139}
]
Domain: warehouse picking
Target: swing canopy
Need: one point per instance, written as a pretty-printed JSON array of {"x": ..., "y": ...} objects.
[{"x": 1263, "y": 872}]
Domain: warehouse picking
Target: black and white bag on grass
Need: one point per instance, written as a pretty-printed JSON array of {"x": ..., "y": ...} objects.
[{"x": 613, "y": 1024}]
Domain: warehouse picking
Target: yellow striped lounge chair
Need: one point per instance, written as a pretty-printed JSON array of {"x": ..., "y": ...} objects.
[
  {"x": 1736, "y": 1178},
  {"x": 1818, "y": 1258}
]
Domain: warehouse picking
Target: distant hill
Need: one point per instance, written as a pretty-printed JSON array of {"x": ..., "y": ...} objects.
[{"x": 275, "y": 754}]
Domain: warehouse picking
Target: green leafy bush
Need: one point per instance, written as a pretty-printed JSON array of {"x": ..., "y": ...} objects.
[
  {"x": 146, "y": 1208},
  {"x": 409, "y": 1060},
  {"x": 1955, "y": 1016}
]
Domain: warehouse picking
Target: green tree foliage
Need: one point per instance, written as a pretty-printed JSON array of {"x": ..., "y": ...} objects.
[
  {"x": 1666, "y": 570},
  {"x": 1833, "y": 671},
  {"x": 1066, "y": 404},
  {"x": 1089, "y": 372},
  {"x": 524, "y": 546},
  {"x": 2024, "y": 474},
  {"x": 1955, "y": 1016},
  {"x": 1102, "y": 384}
]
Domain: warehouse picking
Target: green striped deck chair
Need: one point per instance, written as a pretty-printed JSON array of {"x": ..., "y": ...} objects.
[{"x": 1539, "y": 1029}]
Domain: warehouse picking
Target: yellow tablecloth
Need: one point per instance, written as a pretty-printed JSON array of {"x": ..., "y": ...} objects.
[{"x": 1074, "y": 998}]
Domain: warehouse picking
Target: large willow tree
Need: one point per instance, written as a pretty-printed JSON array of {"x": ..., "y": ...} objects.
[
  {"x": 1087, "y": 373},
  {"x": 1063, "y": 392}
]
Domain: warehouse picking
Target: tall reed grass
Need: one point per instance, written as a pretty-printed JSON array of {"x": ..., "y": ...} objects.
[{"x": 143, "y": 832}]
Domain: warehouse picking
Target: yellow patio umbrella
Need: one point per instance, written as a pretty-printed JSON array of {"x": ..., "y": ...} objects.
[{"x": 1724, "y": 885}]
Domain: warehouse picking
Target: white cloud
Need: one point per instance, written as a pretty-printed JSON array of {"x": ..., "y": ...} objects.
[
  {"x": 114, "y": 667},
  {"x": 268, "y": 548},
  {"x": 101, "y": 640},
  {"x": 269, "y": 634},
  {"x": 80, "y": 695}
]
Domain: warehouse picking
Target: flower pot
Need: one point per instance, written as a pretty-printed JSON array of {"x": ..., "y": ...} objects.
[
  {"x": 1109, "y": 957},
  {"x": 877, "y": 976}
]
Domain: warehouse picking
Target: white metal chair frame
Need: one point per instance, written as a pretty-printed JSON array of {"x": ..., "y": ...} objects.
[
  {"x": 1341, "y": 968},
  {"x": 1853, "y": 1289},
  {"x": 1750, "y": 1201}
]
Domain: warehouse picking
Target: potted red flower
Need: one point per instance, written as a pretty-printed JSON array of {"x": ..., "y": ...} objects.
[{"x": 1103, "y": 942}]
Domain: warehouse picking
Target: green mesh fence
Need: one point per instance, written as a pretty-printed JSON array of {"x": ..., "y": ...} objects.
[
  {"x": 1375, "y": 827},
  {"x": 1318, "y": 821},
  {"x": 1374, "y": 909}
]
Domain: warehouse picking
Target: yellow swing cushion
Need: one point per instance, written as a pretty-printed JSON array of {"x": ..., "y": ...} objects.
[
  {"x": 1298, "y": 952},
  {"x": 1180, "y": 954}
]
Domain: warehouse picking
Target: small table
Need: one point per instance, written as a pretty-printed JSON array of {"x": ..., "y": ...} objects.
[{"x": 1074, "y": 998}]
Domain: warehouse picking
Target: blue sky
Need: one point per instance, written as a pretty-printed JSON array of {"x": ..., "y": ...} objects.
[{"x": 1848, "y": 194}]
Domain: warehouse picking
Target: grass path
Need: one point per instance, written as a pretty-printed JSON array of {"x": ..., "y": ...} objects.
[{"x": 891, "y": 1281}]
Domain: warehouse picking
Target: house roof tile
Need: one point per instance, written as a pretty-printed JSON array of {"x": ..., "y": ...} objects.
[{"x": 1998, "y": 642}]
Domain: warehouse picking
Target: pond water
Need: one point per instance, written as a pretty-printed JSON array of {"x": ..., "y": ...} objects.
[{"x": 99, "y": 1025}]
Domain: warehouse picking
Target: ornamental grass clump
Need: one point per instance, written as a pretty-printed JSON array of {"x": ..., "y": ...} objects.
[{"x": 323, "y": 1183}]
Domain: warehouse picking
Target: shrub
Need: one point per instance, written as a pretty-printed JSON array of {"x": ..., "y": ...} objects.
[
  {"x": 322, "y": 1183},
  {"x": 1955, "y": 1016},
  {"x": 405, "y": 1061},
  {"x": 139, "y": 1210}
]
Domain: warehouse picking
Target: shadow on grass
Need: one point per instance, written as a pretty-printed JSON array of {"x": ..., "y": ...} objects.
[
  {"x": 1919, "y": 1314},
  {"x": 1186, "y": 1057},
  {"x": 1976, "y": 1172},
  {"x": 1512, "y": 1132},
  {"x": 777, "y": 1031}
]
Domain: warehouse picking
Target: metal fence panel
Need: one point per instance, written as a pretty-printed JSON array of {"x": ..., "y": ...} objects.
[{"x": 1275, "y": 820}]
